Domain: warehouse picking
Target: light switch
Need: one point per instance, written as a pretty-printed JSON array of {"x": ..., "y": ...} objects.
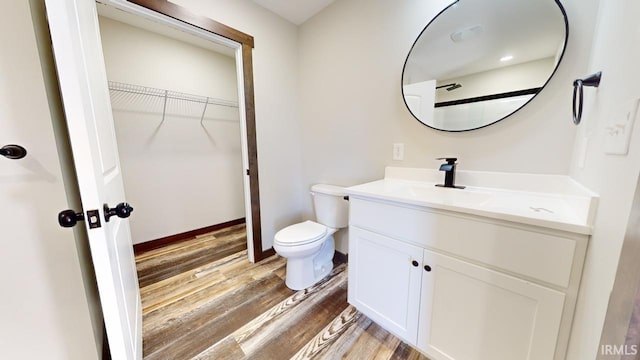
[
  {"x": 398, "y": 151},
  {"x": 619, "y": 128}
]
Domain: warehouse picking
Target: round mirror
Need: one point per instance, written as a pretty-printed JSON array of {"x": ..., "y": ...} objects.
[{"x": 479, "y": 61}]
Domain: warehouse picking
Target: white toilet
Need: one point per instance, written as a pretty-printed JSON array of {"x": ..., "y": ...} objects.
[{"x": 309, "y": 246}]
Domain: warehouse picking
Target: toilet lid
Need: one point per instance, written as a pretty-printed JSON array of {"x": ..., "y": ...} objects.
[{"x": 301, "y": 233}]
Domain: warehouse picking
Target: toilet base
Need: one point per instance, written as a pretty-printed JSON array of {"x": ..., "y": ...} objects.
[{"x": 307, "y": 271}]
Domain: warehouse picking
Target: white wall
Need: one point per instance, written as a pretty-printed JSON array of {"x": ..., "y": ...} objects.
[
  {"x": 614, "y": 177},
  {"x": 44, "y": 307},
  {"x": 351, "y": 59},
  {"x": 275, "y": 63},
  {"x": 179, "y": 175}
]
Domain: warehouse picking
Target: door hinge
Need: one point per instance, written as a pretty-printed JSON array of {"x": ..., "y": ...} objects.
[{"x": 247, "y": 171}]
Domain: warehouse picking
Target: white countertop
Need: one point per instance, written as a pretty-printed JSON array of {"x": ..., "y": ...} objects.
[{"x": 558, "y": 202}]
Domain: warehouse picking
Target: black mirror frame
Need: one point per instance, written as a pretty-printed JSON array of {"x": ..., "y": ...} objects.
[{"x": 564, "y": 48}]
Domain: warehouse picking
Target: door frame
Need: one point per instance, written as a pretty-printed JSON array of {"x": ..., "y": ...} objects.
[
  {"x": 175, "y": 15},
  {"x": 620, "y": 328}
]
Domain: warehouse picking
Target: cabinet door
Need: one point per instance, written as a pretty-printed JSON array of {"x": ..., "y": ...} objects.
[
  {"x": 471, "y": 313},
  {"x": 384, "y": 281}
]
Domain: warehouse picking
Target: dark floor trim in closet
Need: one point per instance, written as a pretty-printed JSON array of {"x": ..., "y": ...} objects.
[
  {"x": 171, "y": 239},
  {"x": 179, "y": 13}
]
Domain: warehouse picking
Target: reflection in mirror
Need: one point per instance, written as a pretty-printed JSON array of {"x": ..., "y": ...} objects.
[{"x": 479, "y": 61}]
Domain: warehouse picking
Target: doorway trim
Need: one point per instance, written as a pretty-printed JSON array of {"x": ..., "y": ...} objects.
[
  {"x": 244, "y": 47},
  {"x": 622, "y": 321}
]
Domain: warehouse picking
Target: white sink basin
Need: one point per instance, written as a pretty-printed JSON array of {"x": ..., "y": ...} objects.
[
  {"x": 431, "y": 193},
  {"x": 571, "y": 210}
]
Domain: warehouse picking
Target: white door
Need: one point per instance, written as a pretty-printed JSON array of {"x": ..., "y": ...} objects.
[
  {"x": 384, "y": 281},
  {"x": 83, "y": 83},
  {"x": 471, "y": 313}
]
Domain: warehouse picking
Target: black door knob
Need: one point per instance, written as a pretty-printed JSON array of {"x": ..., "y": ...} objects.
[
  {"x": 427, "y": 268},
  {"x": 414, "y": 263},
  {"x": 122, "y": 210},
  {"x": 13, "y": 152},
  {"x": 69, "y": 218}
]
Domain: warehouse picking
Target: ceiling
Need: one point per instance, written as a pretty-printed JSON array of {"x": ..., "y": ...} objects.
[{"x": 296, "y": 11}]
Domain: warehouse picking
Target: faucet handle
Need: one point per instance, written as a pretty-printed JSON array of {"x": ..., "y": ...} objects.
[
  {"x": 446, "y": 167},
  {"x": 449, "y": 160}
]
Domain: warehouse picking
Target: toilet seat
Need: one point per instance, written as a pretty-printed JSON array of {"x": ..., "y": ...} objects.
[{"x": 300, "y": 234}]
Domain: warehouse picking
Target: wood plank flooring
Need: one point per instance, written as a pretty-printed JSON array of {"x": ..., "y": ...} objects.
[{"x": 202, "y": 299}]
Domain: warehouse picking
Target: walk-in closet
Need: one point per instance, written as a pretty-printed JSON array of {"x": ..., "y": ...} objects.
[{"x": 175, "y": 106}]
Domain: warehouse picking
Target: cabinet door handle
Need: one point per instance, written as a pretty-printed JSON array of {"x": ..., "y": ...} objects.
[
  {"x": 427, "y": 268},
  {"x": 414, "y": 263}
]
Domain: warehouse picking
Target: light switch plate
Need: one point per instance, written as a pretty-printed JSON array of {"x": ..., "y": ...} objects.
[
  {"x": 619, "y": 128},
  {"x": 398, "y": 151}
]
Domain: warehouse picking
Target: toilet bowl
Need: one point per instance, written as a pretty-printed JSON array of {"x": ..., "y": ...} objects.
[{"x": 309, "y": 246}]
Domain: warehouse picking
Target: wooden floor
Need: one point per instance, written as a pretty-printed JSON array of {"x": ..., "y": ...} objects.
[{"x": 202, "y": 299}]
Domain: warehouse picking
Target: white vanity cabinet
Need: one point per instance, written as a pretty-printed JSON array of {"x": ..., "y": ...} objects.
[
  {"x": 470, "y": 312},
  {"x": 463, "y": 287},
  {"x": 384, "y": 281}
]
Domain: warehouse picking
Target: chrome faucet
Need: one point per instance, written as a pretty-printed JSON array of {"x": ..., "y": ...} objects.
[{"x": 449, "y": 173}]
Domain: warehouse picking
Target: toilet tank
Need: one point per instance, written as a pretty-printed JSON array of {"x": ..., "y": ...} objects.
[{"x": 331, "y": 208}]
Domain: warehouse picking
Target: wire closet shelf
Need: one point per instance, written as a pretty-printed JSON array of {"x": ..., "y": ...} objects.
[{"x": 130, "y": 91}]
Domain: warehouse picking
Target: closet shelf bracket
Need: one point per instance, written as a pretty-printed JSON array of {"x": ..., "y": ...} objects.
[
  {"x": 204, "y": 110},
  {"x": 164, "y": 106}
]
